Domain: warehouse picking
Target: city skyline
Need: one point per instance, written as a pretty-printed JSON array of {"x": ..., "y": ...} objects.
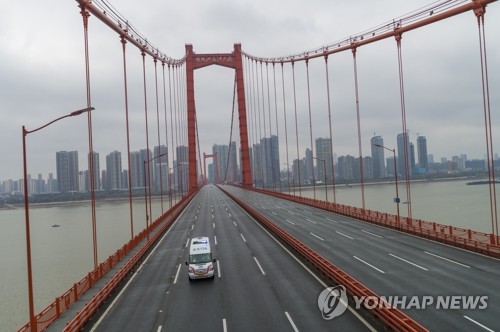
[
  {"x": 378, "y": 165},
  {"x": 441, "y": 70}
]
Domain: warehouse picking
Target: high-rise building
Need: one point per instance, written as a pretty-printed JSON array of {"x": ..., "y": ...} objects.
[
  {"x": 220, "y": 153},
  {"x": 67, "y": 170},
  {"x": 378, "y": 166},
  {"x": 114, "y": 171},
  {"x": 257, "y": 165},
  {"x": 324, "y": 152},
  {"x": 181, "y": 168},
  {"x": 347, "y": 167},
  {"x": 137, "y": 168},
  {"x": 270, "y": 161},
  {"x": 422, "y": 153},
  {"x": 404, "y": 149},
  {"x": 309, "y": 167},
  {"x": 232, "y": 170},
  {"x": 97, "y": 172},
  {"x": 160, "y": 168}
]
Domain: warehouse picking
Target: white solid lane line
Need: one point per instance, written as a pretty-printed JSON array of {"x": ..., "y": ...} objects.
[
  {"x": 177, "y": 274},
  {"x": 317, "y": 236},
  {"x": 407, "y": 261},
  {"x": 312, "y": 221},
  {"x": 295, "y": 329},
  {"x": 447, "y": 259},
  {"x": 362, "y": 261},
  {"x": 260, "y": 267},
  {"x": 347, "y": 236},
  {"x": 290, "y": 222},
  {"x": 479, "y": 324},
  {"x": 373, "y": 234}
]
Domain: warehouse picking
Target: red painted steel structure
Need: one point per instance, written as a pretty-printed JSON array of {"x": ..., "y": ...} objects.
[
  {"x": 216, "y": 162},
  {"x": 466, "y": 238},
  {"x": 230, "y": 60}
]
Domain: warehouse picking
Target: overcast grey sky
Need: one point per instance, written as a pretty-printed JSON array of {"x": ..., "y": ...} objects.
[{"x": 42, "y": 74}]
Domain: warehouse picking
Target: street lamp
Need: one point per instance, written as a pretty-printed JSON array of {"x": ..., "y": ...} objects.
[
  {"x": 396, "y": 199},
  {"x": 324, "y": 171},
  {"x": 149, "y": 185},
  {"x": 25, "y": 133}
]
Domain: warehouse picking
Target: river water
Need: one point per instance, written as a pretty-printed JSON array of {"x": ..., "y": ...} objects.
[{"x": 63, "y": 255}]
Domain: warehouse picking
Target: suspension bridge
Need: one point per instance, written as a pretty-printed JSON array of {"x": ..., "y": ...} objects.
[{"x": 276, "y": 248}]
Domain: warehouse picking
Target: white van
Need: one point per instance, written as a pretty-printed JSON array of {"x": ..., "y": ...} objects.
[{"x": 200, "y": 262}]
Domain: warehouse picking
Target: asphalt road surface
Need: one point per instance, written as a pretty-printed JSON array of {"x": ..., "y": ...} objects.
[{"x": 258, "y": 286}]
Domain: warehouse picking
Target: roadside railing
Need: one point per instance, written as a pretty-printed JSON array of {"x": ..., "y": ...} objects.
[
  {"x": 390, "y": 316},
  {"x": 63, "y": 302}
]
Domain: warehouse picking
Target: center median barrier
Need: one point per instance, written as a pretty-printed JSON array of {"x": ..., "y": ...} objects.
[{"x": 390, "y": 316}]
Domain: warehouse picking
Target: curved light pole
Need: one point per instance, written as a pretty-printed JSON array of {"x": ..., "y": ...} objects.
[
  {"x": 324, "y": 171},
  {"x": 25, "y": 132},
  {"x": 149, "y": 184},
  {"x": 396, "y": 199}
]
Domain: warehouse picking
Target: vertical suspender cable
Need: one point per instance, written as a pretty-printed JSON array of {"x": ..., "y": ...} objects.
[
  {"x": 310, "y": 127},
  {"x": 361, "y": 175},
  {"x": 487, "y": 123},
  {"x": 85, "y": 15},
  {"x": 264, "y": 148},
  {"x": 157, "y": 161},
  {"x": 129, "y": 163},
  {"x": 330, "y": 127},
  {"x": 276, "y": 114},
  {"x": 273, "y": 166},
  {"x": 248, "y": 100},
  {"x": 167, "y": 180},
  {"x": 256, "y": 145},
  {"x": 296, "y": 129},
  {"x": 171, "y": 134},
  {"x": 403, "y": 119},
  {"x": 148, "y": 174},
  {"x": 259, "y": 126},
  {"x": 286, "y": 131},
  {"x": 176, "y": 126}
]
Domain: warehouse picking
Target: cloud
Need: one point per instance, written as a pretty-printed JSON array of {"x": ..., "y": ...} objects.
[{"x": 43, "y": 76}]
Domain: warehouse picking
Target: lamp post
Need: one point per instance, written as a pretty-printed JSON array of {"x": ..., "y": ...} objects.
[
  {"x": 396, "y": 199},
  {"x": 149, "y": 184},
  {"x": 324, "y": 171},
  {"x": 25, "y": 133}
]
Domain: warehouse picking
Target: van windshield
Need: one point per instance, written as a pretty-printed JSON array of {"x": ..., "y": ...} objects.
[{"x": 200, "y": 258}]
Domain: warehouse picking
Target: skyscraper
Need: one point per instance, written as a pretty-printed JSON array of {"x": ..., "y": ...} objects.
[
  {"x": 114, "y": 171},
  {"x": 232, "y": 172},
  {"x": 160, "y": 168},
  {"x": 181, "y": 167},
  {"x": 97, "y": 172},
  {"x": 67, "y": 170},
  {"x": 404, "y": 149},
  {"x": 270, "y": 161},
  {"x": 378, "y": 166},
  {"x": 422, "y": 153},
  {"x": 309, "y": 167},
  {"x": 324, "y": 152}
]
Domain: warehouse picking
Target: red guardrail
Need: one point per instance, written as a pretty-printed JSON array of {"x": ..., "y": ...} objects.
[
  {"x": 480, "y": 242},
  {"x": 63, "y": 302},
  {"x": 390, "y": 316}
]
